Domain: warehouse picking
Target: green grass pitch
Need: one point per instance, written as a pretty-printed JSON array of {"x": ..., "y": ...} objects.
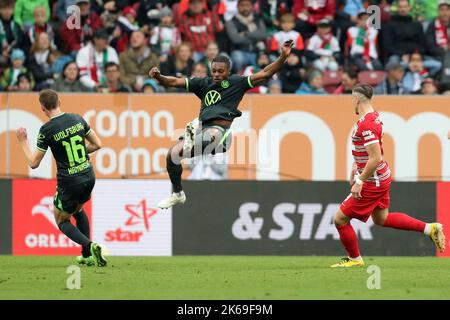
[{"x": 224, "y": 277}]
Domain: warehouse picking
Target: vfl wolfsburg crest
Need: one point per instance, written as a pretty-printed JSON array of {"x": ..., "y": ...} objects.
[
  {"x": 212, "y": 97},
  {"x": 225, "y": 84}
]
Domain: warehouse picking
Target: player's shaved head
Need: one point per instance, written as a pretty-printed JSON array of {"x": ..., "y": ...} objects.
[
  {"x": 49, "y": 99},
  {"x": 220, "y": 68},
  {"x": 222, "y": 59},
  {"x": 365, "y": 90},
  {"x": 361, "y": 97}
]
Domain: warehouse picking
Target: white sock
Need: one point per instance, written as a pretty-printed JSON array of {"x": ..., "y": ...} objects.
[
  {"x": 358, "y": 258},
  {"x": 427, "y": 229}
]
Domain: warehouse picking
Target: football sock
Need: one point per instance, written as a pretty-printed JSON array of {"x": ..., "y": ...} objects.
[
  {"x": 427, "y": 230},
  {"x": 175, "y": 171},
  {"x": 83, "y": 225},
  {"x": 359, "y": 258},
  {"x": 349, "y": 240},
  {"x": 402, "y": 221},
  {"x": 74, "y": 234}
]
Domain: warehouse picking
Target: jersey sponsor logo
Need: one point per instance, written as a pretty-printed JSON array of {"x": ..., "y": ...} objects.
[
  {"x": 34, "y": 228},
  {"x": 212, "y": 97},
  {"x": 368, "y": 135},
  {"x": 225, "y": 84},
  {"x": 140, "y": 215}
]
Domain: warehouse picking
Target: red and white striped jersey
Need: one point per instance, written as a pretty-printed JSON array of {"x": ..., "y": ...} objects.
[{"x": 369, "y": 130}]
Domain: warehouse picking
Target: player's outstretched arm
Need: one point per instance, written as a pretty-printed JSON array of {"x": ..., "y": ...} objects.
[
  {"x": 267, "y": 73},
  {"x": 167, "y": 81},
  {"x": 93, "y": 142},
  {"x": 34, "y": 159}
]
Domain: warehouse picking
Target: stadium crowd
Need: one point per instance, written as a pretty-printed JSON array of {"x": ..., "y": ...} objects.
[{"x": 109, "y": 46}]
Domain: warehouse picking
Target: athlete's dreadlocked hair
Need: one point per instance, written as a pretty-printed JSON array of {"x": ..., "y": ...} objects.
[
  {"x": 223, "y": 59},
  {"x": 364, "y": 89}
]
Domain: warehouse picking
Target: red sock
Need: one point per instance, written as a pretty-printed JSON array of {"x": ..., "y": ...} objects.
[
  {"x": 349, "y": 240},
  {"x": 402, "y": 221}
]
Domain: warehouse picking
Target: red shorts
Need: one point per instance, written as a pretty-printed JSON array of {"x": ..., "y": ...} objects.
[{"x": 361, "y": 209}]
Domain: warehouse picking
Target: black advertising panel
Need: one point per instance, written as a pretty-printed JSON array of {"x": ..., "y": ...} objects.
[
  {"x": 290, "y": 218},
  {"x": 5, "y": 217}
]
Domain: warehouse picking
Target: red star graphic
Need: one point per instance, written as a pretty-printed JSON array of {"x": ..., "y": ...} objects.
[{"x": 138, "y": 213}]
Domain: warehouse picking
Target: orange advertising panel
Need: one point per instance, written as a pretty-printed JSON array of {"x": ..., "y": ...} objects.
[{"x": 278, "y": 137}]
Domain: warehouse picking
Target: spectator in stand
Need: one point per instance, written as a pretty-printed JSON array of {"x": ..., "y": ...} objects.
[
  {"x": 415, "y": 75},
  {"x": 271, "y": 12},
  {"x": 110, "y": 16},
  {"x": 428, "y": 87},
  {"x": 247, "y": 34},
  {"x": 349, "y": 79},
  {"x": 347, "y": 15},
  {"x": 92, "y": 60},
  {"x": 438, "y": 33},
  {"x": 24, "y": 11},
  {"x": 24, "y": 83},
  {"x": 41, "y": 60},
  {"x": 9, "y": 78},
  {"x": 149, "y": 12},
  {"x": 261, "y": 62},
  {"x": 362, "y": 42},
  {"x": 212, "y": 51},
  {"x": 11, "y": 35},
  {"x": 198, "y": 26},
  {"x": 136, "y": 62},
  {"x": 393, "y": 84},
  {"x": 75, "y": 38},
  {"x": 228, "y": 9},
  {"x": 275, "y": 86},
  {"x": 69, "y": 81},
  {"x": 112, "y": 82},
  {"x": 323, "y": 48},
  {"x": 424, "y": 11},
  {"x": 61, "y": 9},
  {"x": 403, "y": 36},
  {"x": 309, "y": 12},
  {"x": 291, "y": 73},
  {"x": 287, "y": 32},
  {"x": 165, "y": 36},
  {"x": 179, "y": 65},
  {"x": 199, "y": 71},
  {"x": 150, "y": 86},
  {"x": 314, "y": 84},
  {"x": 126, "y": 24},
  {"x": 40, "y": 25}
]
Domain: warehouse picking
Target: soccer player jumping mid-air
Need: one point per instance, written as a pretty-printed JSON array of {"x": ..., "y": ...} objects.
[
  {"x": 220, "y": 95},
  {"x": 71, "y": 140},
  {"x": 371, "y": 181}
]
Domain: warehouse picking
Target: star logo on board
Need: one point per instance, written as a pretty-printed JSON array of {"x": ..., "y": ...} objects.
[{"x": 140, "y": 213}]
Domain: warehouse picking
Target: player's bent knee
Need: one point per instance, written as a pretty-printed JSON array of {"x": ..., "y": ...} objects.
[
  {"x": 379, "y": 220},
  {"x": 340, "y": 219},
  {"x": 60, "y": 217}
]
